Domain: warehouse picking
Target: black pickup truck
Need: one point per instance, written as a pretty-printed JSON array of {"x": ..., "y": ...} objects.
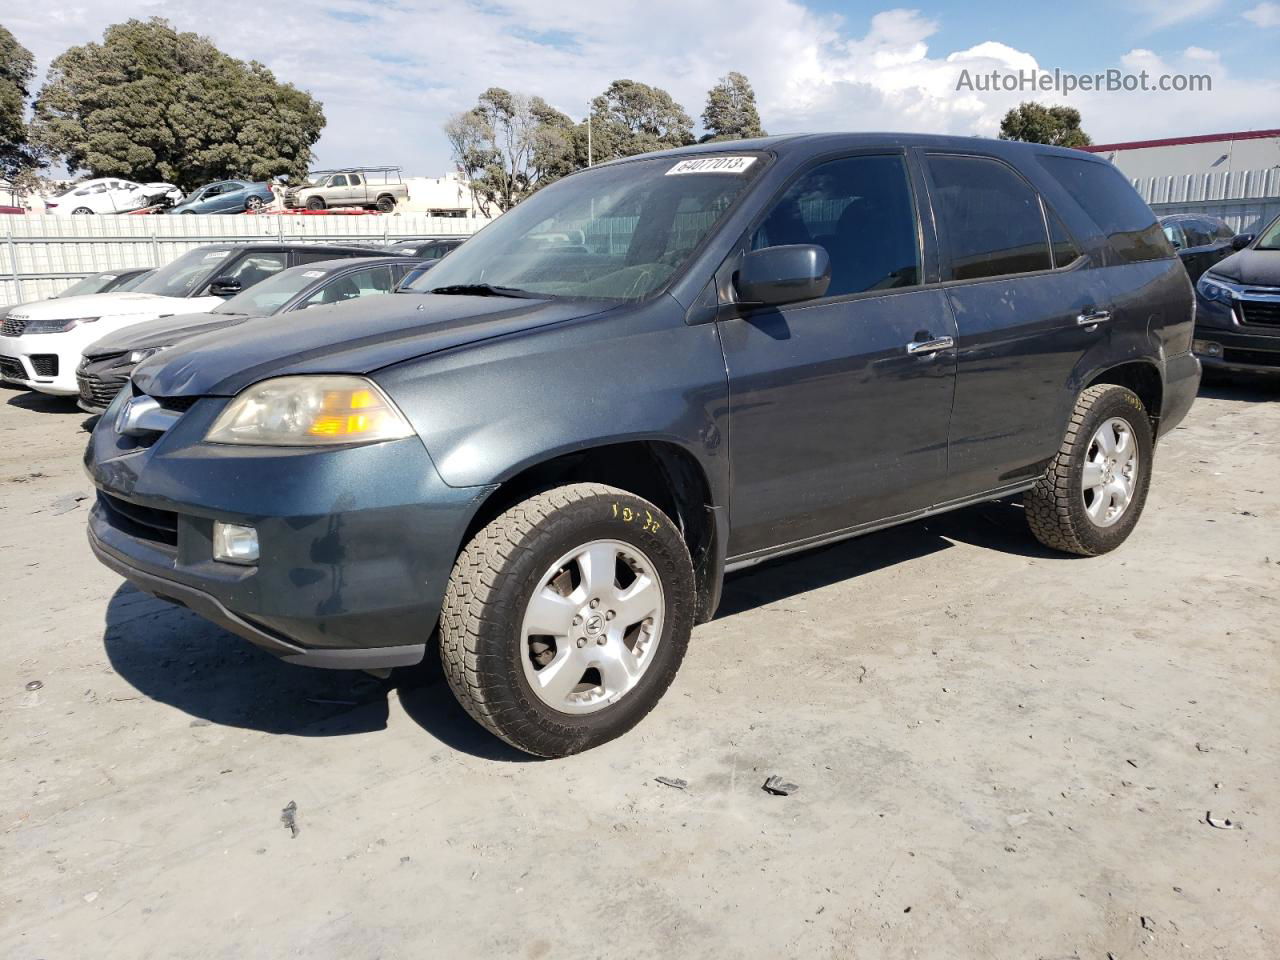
[{"x": 646, "y": 375}]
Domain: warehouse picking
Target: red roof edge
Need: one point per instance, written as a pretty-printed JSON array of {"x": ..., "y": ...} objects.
[{"x": 1177, "y": 141}]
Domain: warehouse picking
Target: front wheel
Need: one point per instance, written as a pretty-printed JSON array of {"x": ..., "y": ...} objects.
[
  {"x": 566, "y": 618},
  {"x": 81, "y": 211},
  {"x": 315, "y": 203},
  {"x": 1091, "y": 497}
]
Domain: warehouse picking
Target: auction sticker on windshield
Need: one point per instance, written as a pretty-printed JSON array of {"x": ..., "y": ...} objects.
[{"x": 713, "y": 165}]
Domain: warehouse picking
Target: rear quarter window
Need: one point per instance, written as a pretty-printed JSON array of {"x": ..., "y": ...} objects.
[{"x": 1112, "y": 203}]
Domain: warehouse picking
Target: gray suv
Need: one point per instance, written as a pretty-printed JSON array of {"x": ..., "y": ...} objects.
[{"x": 547, "y": 454}]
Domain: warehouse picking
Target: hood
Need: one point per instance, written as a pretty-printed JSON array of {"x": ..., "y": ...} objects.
[
  {"x": 1260, "y": 267},
  {"x": 162, "y": 332},
  {"x": 111, "y": 305},
  {"x": 354, "y": 337}
]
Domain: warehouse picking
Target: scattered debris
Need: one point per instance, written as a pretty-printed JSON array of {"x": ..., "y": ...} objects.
[
  {"x": 1224, "y": 824},
  {"x": 199, "y": 722},
  {"x": 67, "y": 504},
  {"x": 862, "y": 673},
  {"x": 1147, "y": 923},
  {"x": 1177, "y": 889},
  {"x": 779, "y": 787},
  {"x": 672, "y": 782},
  {"x": 91, "y": 896},
  {"x": 907, "y": 910},
  {"x": 404, "y": 859},
  {"x": 1132, "y": 763},
  {"x": 289, "y": 817},
  {"x": 34, "y": 684}
]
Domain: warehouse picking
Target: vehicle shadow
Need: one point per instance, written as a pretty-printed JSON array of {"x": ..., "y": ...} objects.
[
  {"x": 997, "y": 525},
  {"x": 1249, "y": 389},
  {"x": 174, "y": 657},
  {"x": 43, "y": 402}
]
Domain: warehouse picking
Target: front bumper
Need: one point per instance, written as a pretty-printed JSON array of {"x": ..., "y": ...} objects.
[
  {"x": 357, "y": 543},
  {"x": 1240, "y": 350},
  {"x": 100, "y": 379},
  {"x": 44, "y": 362}
]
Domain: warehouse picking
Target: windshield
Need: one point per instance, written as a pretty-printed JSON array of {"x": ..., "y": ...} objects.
[
  {"x": 132, "y": 282},
  {"x": 617, "y": 232},
  {"x": 1270, "y": 239},
  {"x": 266, "y": 297},
  {"x": 95, "y": 284},
  {"x": 184, "y": 276}
]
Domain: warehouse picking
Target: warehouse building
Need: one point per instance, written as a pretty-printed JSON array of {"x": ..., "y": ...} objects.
[{"x": 1235, "y": 176}]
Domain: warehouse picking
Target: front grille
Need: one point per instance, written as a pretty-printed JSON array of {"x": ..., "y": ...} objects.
[
  {"x": 179, "y": 404},
  {"x": 1261, "y": 312},
  {"x": 95, "y": 391},
  {"x": 145, "y": 523},
  {"x": 13, "y": 326},
  {"x": 1260, "y": 358},
  {"x": 12, "y": 367},
  {"x": 44, "y": 364}
]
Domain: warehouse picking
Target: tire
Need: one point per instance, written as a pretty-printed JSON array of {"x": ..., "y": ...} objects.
[
  {"x": 386, "y": 203},
  {"x": 485, "y": 648},
  {"x": 81, "y": 211},
  {"x": 1062, "y": 511},
  {"x": 315, "y": 203},
  {"x": 253, "y": 203}
]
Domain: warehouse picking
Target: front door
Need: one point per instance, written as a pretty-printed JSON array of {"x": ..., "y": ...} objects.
[{"x": 839, "y": 407}]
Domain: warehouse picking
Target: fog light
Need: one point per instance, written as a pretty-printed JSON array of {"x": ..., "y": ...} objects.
[
  {"x": 234, "y": 543},
  {"x": 1207, "y": 348}
]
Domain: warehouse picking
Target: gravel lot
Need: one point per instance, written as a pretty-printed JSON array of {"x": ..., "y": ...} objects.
[{"x": 1000, "y": 753}]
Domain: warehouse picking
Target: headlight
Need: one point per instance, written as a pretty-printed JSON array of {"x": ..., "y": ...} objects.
[
  {"x": 308, "y": 412},
  {"x": 1215, "y": 291},
  {"x": 137, "y": 356},
  {"x": 56, "y": 325}
]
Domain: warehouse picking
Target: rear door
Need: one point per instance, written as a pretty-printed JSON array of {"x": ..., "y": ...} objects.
[
  {"x": 1017, "y": 297},
  {"x": 834, "y": 423}
]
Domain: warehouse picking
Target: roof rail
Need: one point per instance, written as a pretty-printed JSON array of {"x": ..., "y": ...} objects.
[{"x": 356, "y": 168}]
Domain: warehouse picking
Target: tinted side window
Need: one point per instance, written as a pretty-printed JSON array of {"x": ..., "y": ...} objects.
[
  {"x": 1114, "y": 205},
  {"x": 304, "y": 256},
  {"x": 1065, "y": 250},
  {"x": 1199, "y": 233},
  {"x": 860, "y": 210},
  {"x": 255, "y": 267},
  {"x": 338, "y": 181},
  {"x": 355, "y": 180},
  {"x": 1224, "y": 231},
  {"x": 990, "y": 216},
  {"x": 1173, "y": 233}
]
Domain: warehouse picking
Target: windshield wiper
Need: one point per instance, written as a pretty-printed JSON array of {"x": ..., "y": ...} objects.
[{"x": 482, "y": 290}]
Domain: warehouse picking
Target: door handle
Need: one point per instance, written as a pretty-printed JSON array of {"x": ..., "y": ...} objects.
[
  {"x": 922, "y": 348},
  {"x": 1091, "y": 317}
]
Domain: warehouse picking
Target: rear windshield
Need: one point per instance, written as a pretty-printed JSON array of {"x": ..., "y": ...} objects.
[
  {"x": 95, "y": 284},
  {"x": 184, "y": 276},
  {"x": 1109, "y": 199},
  {"x": 617, "y": 232}
]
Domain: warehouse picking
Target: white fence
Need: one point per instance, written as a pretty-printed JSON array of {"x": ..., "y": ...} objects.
[
  {"x": 1246, "y": 199},
  {"x": 41, "y": 255}
]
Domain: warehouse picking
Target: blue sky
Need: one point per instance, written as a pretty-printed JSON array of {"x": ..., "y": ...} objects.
[{"x": 391, "y": 71}]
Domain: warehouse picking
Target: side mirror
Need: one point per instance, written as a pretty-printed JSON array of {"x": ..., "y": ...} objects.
[
  {"x": 225, "y": 287},
  {"x": 1241, "y": 240},
  {"x": 777, "y": 275}
]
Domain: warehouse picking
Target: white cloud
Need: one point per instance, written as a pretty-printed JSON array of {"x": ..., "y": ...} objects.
[
  {"x": 389, "y": 73},
  {"x": 1264, "y": 15},
  {"x": 1165, "y": 13}
]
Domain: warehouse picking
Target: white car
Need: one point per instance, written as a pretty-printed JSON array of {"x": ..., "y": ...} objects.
[
  {"x": 42, "y": 343},
  {"x": 110, "y": 195}
]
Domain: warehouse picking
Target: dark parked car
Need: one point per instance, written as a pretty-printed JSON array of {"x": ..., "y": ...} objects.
[
  {"x": 1202, "y": 240},
  {"x": 107, "y": 364},
  {"x": 1238, "y": 308},
  {"x": 226, "y": 196},
  {"x": 430, "y": 249},
  {"x": 647, "y": 374}
]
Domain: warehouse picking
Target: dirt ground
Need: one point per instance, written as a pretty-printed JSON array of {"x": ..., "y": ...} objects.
[{"x": 1000, "y": 753}]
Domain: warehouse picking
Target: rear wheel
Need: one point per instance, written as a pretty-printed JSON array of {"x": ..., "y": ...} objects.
[
  {"x": 566, "y": 618},
  {"x": 254, "y": 203},
  {"x": 81, "y": 211},
  {"x": 1091, "y": 497},
  {"x": 386, "y": 203}
]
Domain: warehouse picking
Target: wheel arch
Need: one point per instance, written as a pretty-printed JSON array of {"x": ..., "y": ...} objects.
[
  {"x": 1143, "y": 378},
  {"x": 660, "y": 471}
]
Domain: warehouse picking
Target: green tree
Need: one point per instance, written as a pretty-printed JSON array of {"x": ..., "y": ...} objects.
[
  {"x": 731, "y": 112},
  {"x": 509, "y": 145},
  {"x": 150, "y": 103},
  {"x": 17, "y": 70},
  {"x": 631, "y": 118},
  {"x": 1036, "y": 123}
]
